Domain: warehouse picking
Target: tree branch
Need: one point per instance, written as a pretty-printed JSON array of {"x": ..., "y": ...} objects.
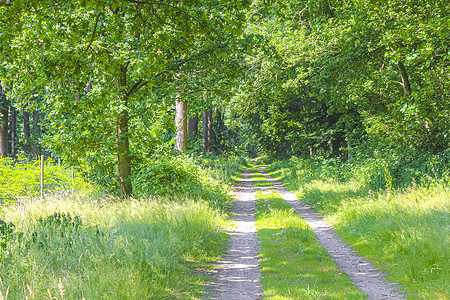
[
  {"x": 140, "y": 83},
  {"x": 93, "y": 34}
]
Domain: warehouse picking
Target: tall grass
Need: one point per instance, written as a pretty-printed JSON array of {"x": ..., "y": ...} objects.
[
  {"x": 94, "y": 246},
  {"x": 403, "y": 230},
  {"x": 79, "y": 247}
]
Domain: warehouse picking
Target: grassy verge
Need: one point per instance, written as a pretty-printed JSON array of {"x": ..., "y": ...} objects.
[
  {"x": 226, "y": 169},
  {"x": 92, "y": 246},
  {"x": 78, "y": 247},
  {"x": 294, "y": 265},
  {"x": 404, "y": 232}
]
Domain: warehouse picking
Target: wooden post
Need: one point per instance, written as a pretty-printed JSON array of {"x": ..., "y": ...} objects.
[
  {"x": 42, "y": 176},
  {"x": 73, "y": 176}
]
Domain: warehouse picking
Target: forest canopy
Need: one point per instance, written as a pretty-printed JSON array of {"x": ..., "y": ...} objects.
[{"x": 105, "y": 80}]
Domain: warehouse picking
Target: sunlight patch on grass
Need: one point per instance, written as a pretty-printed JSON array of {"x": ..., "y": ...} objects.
[
  {"x": 258, "y": 176},
  {"x": 262, "y": 184},
  {"x": 253, "y": 170},
  {"x": 132, "y": 249}
]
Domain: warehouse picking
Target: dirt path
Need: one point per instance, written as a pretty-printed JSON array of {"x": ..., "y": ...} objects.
[
  {"x": 362, "y": 273},
  {"x": 238, "y": 275}
]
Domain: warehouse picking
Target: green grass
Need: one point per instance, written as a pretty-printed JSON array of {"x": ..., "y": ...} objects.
[
  {"x": 22, "y": 179},
  {"x": 253, "y": 170},
  {"x": 226, "y": 169},
  {"x": 97, "y": 246},
  {"x": 258, "y": 176},
  {"x": 294, "y": 265},
  {"x": 405, "y": 232},
  {"x": 262, "y": 184},
  {"x": 133, "y": 249}
]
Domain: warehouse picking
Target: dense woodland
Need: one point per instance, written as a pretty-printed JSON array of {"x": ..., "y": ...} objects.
[
  {"x": 152, "y": 109},
  {"x": 109, "y": 85}
]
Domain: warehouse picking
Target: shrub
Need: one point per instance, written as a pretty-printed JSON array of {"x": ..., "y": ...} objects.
[{"x": 22, "y": 178}]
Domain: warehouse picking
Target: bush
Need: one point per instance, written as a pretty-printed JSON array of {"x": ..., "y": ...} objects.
[
  {"x": 184, "y": 177},
  {"x": 22, "y": 178},
  {"x": 384, "y": 169}
]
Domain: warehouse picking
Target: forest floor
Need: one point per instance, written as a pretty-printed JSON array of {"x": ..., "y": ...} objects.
[{"x": 237, "y": 276}]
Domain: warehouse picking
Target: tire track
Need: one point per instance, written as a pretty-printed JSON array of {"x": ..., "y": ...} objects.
[
  {"x": 237, "y": 275},
  {"x": 363, "y": 274}
]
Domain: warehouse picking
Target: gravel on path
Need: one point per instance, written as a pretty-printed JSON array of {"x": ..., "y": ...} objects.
[
  {"x": 363, "y": 274},
  {"x": 237, "y": 276}
]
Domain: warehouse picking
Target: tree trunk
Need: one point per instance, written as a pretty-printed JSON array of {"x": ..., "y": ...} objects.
[
  {"x": 335, "y": 145},
  {"x": 207, "y": 126},
  {"x": 193, "y": 125},
  {"x": 122, "y": 139},
  {"x": 123, "y": 155},
  {"x": 13, "y": 130},
  {"x": 349, "y": 153},
  {"x": 181, "y": 124},
  {"x": 26, "y": 130},
  {"x": 36, "y": 149},
  {"x": 405, "y": 79},
  {"x": 3, "y": 124}
]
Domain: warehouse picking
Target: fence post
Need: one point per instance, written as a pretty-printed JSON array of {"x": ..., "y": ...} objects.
[
  {"x": 73, "y": 176},
  {"x": 42, "y": 176}
]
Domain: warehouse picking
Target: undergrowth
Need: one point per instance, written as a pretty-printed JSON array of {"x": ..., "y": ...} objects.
[
  {"x": 182, "y": 176},
  {"x": 92, "y": 245},
  {"x": 22, "y": 179}
]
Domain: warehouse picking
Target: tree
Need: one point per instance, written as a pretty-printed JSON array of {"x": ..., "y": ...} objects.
[
  {"x": 125, "y": 48},
  {"x": 13, "y": 131},
  {"x": 360, "y": 71},
  {"x": 206, "y": 130},
  {"x": 193, "y": 125},
  {"x": 4, "y": 107},
  {"x": 181, "y": 107}
]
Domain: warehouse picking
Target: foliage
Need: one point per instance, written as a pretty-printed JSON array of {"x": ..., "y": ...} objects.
[
  {"x": 22, "y": 179},
  {"x": 100, "y": 64},
  {"x": 324, "y": 76},
  {"x": 185, "y": 177},
  {"x": 83, "y": 247},
  {"x": 371, "y": 171}
]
